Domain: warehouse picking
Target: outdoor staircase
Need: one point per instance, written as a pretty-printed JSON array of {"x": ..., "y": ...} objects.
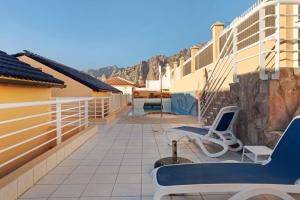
[
  {"x": 221, "y": 100},
  {"x": 213, "y": 98}
]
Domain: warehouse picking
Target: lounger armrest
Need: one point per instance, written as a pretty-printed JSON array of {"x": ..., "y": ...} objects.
[
  {"x": 207, "y": 127},
  {"x": 231, "y": 161}
]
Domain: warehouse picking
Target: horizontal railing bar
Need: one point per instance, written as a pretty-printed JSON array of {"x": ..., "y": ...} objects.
[
  {"x": 73, "y": 129},
  {"x": 247, "y": 38},
  {"x": 26, "y": 117},
  {"x": 26, "y": 141},
  {"x": 26, "y": 129},
  {"x": 72, "y": 122},
  {"x": 38, "y": 103},
  {"x": 27, "y": 152}
]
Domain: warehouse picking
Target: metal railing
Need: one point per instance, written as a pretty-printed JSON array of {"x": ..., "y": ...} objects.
[
  {"x": 28, "y": 129},
  {"x": 204, "y": 56},
  {"x": 259, "y": 27},
  {"x": 187, "y": 67}
]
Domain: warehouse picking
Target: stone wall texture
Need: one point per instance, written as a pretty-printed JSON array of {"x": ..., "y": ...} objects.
[{"x": 267, "y": 106}]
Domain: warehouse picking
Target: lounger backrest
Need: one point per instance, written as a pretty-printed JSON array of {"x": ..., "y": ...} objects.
[
  {"x": 225, "y": 118},
  {"x": 286, "y": 154}
]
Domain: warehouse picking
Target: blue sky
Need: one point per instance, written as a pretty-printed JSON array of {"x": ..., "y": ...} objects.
[{"x": 97, "y": 33}]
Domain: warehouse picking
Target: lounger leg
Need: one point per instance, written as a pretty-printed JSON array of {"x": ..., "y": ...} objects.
[
  {"x": 246, "y": 194},
  {"x": 158, "y": 195},
  {"x": 240, "y": 146},
  {"x": 199, "y": 142}
]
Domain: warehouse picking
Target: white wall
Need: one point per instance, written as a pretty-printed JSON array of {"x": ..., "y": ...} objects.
[
  {"x": 166, "y": 81},
  {"x": 124, "y": 89}
]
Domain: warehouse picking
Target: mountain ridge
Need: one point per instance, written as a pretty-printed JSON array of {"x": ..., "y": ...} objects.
[{"x": 142, "y": 71}]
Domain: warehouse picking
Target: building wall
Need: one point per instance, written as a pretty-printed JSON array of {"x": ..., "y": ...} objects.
[
  {"x": 196, "y": 79},
  {"x": 155, "y": 84},
  {"x": 14, "y": 94},
  {"x": 73, "y": 88},
  {"x": 126, "y": 89}
]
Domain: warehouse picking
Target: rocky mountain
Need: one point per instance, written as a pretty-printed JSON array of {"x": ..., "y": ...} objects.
[{"x": 144, "y": 70}]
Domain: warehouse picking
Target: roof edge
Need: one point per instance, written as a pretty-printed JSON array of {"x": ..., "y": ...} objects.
[{"x": 16, "y": 81}]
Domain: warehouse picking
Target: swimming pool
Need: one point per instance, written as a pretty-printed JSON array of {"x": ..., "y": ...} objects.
[{"x": 140, "y": 112}]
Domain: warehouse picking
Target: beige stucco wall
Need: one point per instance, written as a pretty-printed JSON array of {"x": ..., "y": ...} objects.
[
  {"x": 196, "y": 80},
  {"x": 17, "y": 93}
]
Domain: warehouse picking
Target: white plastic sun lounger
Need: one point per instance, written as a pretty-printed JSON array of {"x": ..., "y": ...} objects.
[
  {"x": 220, "y": 133},
  {"x": 278, "y": 176}
]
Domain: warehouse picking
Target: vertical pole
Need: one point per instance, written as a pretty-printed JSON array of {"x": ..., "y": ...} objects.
[
  {"x": 79, "y": 113},
  {"x": 174, "y": 151},
  {"x": 199, "y": 109},
  {"x": 262, "y": 35},
  {"x": 95, "y": 107},
  {"x": 58, "y": 123},
  {"x": 110, "y": 105},
  {"x": 161, "y": 100},
  {"x": 296, "y": 38},
  {"x": 277, "y": 42},
  {"x": 120, "y": 97},
  {"x": 132, "y": 99},
  {"x": 234, "y": 49},
  {"x": 86, "y": 113},
  {"x": 102, "y": 102}
]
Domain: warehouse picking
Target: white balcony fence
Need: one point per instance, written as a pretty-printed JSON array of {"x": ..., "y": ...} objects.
[
  {"x": 30, "y": 127},
  {"x": 263, "y": 24}
]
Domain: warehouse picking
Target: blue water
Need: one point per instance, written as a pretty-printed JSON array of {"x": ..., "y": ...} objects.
[{"x": 140, "y": 112}]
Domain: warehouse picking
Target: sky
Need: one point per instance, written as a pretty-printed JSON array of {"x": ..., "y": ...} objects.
[{"x": 97, "y": 33}]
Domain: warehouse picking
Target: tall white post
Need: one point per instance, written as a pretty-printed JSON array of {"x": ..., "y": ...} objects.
[
  {"x": 102, "y": 103},
  {"x": 277, "y": 42},
  {"x": 296, "y": 38},
  {"x": 95, "y": 107},
  {"x": 79, "y": 113},
  {"x": 234, "y": 49},
  {"x": 86, "y": 113},
  {"x": 262, "y": 50},
  {"x": 58, "y": 123}
]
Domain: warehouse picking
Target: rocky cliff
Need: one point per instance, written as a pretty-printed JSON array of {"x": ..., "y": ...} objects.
[{"x": 143, "y": 70}]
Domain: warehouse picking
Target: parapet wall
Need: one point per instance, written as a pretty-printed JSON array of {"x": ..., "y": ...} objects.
[{"x": 267, "y": 106}]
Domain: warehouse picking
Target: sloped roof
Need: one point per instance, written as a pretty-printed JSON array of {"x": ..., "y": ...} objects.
[
  {"x": 11, "y": 67},
  {"x": 77, "y": 75},
  {"x": 118, "y": 81}
]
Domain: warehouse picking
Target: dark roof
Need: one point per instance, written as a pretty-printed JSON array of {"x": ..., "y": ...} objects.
[
  {"x": 77, "y": 75},
  {"x": 11, "y": 67}
]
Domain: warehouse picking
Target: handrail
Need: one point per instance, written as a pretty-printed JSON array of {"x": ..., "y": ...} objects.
[{"x": 50, "y": 121}]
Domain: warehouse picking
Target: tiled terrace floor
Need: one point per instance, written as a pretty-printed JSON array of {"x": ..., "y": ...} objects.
[{"x": 116, "y": 164}]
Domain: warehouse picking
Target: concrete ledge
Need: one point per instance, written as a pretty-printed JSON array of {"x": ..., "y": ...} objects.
[{"x": 16, "y": 183}]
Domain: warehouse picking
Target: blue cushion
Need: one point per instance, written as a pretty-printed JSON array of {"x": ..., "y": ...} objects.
[
  {"x": 220, "y": 173},
  {"x": 282, "y": 169},
  {"x": 200, "y": 131},
  {"x": 225, "y": 121}
]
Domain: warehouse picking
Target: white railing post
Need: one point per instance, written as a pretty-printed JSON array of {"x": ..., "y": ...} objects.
[
  {"x": 86, "y": 113},
  {"x": 199, "y": 109},
  {"x": 95, "y": 107},
  {"x": 58, "y": 123},
  {"x": 102, "y": 108},
  {"x": 262, "y": 57},
  {"x": 234, "y": 49},
  {"x": 79, "y": 113},
  {"x": 120, "y": 97},
  {"x": 277, "y": 42},
  {"x": 296, "y": 38}
]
